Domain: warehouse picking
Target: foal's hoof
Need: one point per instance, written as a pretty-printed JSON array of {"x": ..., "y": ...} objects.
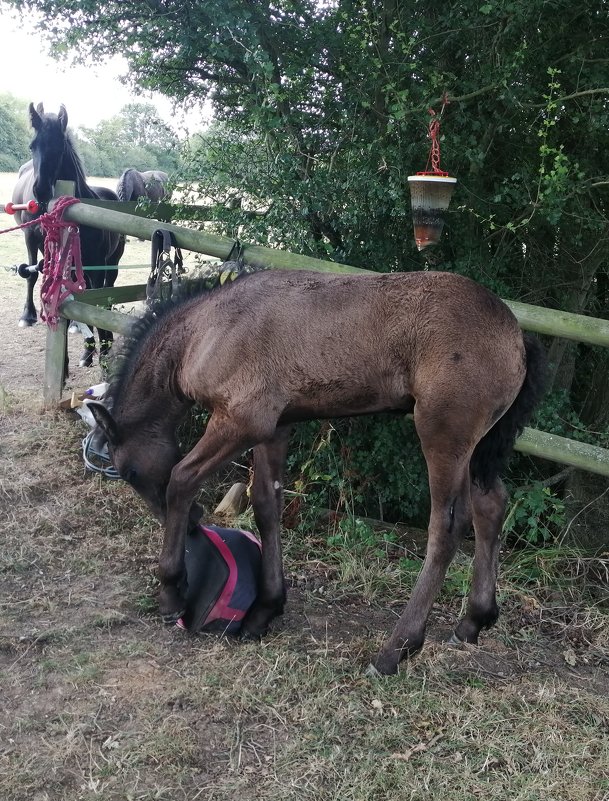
[
  {"x": 454, "y": 641},
  {"x": 26, "y": 322},
  {"x": 172, "y": 618},
  {"x": 250, "y": 636},
  {"x": 384, "y": 665},
  {"x": 172, "y": 605},
  {"x": 395, "y": 650}
]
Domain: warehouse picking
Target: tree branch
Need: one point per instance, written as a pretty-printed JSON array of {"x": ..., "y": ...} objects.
[{"x": 602, "y": 90}]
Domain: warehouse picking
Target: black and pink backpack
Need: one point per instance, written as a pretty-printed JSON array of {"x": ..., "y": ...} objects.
[{"x": 223, "y": 569}]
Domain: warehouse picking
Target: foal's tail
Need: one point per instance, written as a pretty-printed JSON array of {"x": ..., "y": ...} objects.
[{"x": 492, "y": 452}]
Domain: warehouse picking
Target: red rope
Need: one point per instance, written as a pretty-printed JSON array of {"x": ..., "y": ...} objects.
[
  {"x": 62, "y": 272},
  {"x": 434, "y": 135}
]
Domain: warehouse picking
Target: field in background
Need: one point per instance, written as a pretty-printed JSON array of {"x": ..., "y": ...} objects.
[{"x": 100, "y": 701}]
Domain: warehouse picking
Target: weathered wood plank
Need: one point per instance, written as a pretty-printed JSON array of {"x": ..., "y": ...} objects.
[
  {"x": 106, "y": 296},
  {"x": 554, "y": 322},
  {"x": 198, "y": 241},
  {"x": 54, "y": 363},
  {"x": 97, "y": 316},
  {"x": 580, "y": 455}
]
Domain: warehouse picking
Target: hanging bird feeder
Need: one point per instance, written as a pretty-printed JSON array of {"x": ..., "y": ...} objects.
[{"x": 430, "y": 191}]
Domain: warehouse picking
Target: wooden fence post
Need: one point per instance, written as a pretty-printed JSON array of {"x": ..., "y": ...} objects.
[{"x": 55, "y": 362}]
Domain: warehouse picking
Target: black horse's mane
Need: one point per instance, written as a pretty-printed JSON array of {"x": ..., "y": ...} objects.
[
  {"x": 79, "y": 167},
  {"x": 145, "y": 326}
]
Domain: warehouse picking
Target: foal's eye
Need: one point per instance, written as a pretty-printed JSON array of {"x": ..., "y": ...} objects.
[{"x": 130, "y": 475}]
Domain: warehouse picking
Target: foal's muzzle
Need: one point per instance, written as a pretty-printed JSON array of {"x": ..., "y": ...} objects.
[{"x": 96, "y": 456}]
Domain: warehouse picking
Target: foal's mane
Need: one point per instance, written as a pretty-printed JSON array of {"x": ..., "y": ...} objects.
[{"x": 144, "y": 327}]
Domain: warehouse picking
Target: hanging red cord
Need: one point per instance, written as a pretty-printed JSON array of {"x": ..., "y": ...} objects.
[
  {"x": 63, "y": 273},
  {"x": 434, "y": 135}
]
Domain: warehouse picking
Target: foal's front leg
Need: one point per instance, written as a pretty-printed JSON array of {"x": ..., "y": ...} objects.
[
  {"x": 223, "y": 440},
  {"x": 267, "y": 502}
]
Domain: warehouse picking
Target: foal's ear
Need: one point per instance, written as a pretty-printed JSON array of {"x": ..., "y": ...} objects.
[
  {"x": 63, "y": 117},
  {"x": 104, "y": 420},
  {"x": 35, "y": 118}
]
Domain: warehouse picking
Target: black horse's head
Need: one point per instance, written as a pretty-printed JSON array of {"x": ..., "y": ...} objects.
[{"x": 48, "y": 148}]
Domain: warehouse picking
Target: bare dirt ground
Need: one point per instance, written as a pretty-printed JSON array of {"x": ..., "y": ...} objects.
[{"x": 100, "y": 701}]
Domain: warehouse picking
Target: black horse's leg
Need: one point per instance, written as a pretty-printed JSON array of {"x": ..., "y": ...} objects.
[
  {"x": 86, "y": 358},
  {"x": 66, "y": 363},
  {"x": 93, "y": 280},
  {"x": 482, "y": 610},
  {"x": 267, "y": 502},
  {"x": 106, "y": 338},
  {"x": 29, "y": 316},
  {"x": 225, "y": 438}
]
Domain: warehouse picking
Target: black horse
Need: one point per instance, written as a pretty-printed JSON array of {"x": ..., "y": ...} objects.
[
  {"x": 133, "y": 185},
  {"x": 54, "y": 158}
]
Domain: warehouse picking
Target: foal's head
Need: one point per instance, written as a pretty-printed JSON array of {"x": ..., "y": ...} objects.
[
  {"x": 144, "y": 455},
  {"x": 48, "y": 147}
]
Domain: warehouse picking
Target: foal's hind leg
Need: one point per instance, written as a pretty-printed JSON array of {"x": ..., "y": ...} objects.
[
  {"x": 448, "y": 434},
  {"x": 450, "y": 518},
  {"x": 267, "y": 502},
  {"x": 482, "y": 610}
]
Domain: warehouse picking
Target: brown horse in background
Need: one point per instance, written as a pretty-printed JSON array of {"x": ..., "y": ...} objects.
[
  {"x": 278, "y": 347},
  {"x": 134, "y": 185}
]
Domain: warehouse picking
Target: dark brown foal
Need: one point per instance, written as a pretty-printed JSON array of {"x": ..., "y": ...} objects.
[{"x": 274, "y": 348}]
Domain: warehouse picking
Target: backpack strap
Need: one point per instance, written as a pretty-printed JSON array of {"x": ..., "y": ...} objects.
[
  {"x": 207, "y": 573},
  {"x": 223, "y": 570}
]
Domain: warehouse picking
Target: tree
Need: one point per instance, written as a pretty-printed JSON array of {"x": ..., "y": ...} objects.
[
  {"x": 339, "y": 93},
  {"x": 324, "y": 109},
  {"x": 136, "y": 137},
  {"x": 14, "y": 134}
]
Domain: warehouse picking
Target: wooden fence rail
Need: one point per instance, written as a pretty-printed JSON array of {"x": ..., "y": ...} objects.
[
  {"x": 591, "y": 330},
  {"x": 533, "y": 318}
]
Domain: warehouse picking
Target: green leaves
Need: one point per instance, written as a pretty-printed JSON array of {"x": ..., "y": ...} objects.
[
  {"x": 14, "y": 135},
  {"x": 536, "y": 515},
  {"x": 321, "y": 113}
]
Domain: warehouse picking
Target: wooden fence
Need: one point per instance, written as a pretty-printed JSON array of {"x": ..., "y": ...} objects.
[{"x": 532, "y": 318}]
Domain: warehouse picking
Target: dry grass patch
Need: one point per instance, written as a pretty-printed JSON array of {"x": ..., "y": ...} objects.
[{"x": 100, "y": 701}]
